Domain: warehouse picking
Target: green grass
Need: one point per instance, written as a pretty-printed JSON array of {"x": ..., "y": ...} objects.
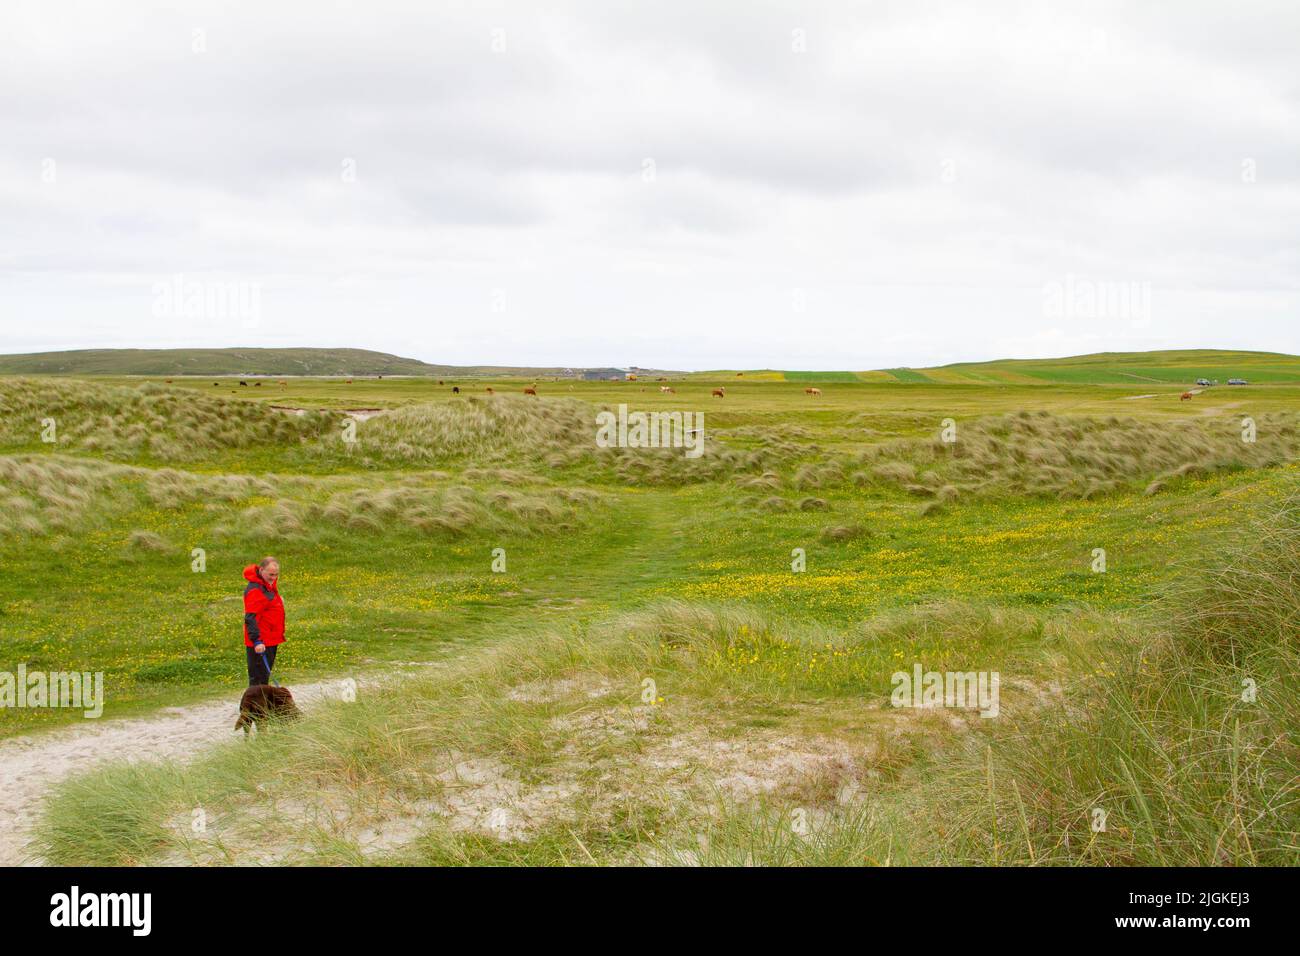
[
  {"x": 1181, "y": 367},
  {"x": 1152, "y": 730},
  {"x": 624, "y": 565},
  {"x": 908, "y": 375},
  {"x": 818, "y": 377}
]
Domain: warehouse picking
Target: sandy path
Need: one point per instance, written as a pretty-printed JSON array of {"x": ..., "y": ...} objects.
[{"x": 31, "y": 766}]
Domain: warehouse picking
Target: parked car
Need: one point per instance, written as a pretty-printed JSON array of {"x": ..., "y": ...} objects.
[
  {"x": 1203, "y": 382},
  {"x": 1237, "y": 381}
]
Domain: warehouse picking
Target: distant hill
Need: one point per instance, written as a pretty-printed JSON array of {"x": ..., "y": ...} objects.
[
  {"x": 259, "y": 362},
  {"x": 215, "y": 362},
  {"x": 1169, "y": 367},
  {"x": 1172, "y": 367}
]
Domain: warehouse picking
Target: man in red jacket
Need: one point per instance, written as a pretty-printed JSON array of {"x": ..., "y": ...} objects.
[{"x": 263, "y": 619}]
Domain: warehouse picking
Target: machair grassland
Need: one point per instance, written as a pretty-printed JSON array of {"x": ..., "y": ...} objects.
[{"x": 649, "y": 681}]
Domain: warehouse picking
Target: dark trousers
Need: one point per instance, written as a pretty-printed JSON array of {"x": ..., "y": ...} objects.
[{"x": 259, "y": 673}]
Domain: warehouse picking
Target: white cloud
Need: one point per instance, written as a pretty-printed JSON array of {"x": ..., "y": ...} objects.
[{"x": 912, "y": 179}]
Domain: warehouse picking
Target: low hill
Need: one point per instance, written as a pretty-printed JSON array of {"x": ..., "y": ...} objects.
[
  {"x": 252, "y": 361},
  {"x": 216, "y": 362},
  {"x": 1170, "y": 367},
  {"x": 1173, "y": 367}
]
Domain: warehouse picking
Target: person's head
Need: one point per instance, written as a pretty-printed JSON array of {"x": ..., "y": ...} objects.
[{"x": 269, "y": 569}]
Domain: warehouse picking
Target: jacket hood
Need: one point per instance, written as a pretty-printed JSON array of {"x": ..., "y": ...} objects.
[{"x": 250, "y": 574}]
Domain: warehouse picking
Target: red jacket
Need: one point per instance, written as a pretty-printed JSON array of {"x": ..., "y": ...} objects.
[{"x": 263, "y": 611}]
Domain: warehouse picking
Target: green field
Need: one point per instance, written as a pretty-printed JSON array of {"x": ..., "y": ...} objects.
[
  {"x": 524, "y": 730},
  {"x": 1128, "y": 368}
]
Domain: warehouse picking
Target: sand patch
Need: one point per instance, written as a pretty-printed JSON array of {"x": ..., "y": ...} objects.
[{"x": 33, "y": 765}]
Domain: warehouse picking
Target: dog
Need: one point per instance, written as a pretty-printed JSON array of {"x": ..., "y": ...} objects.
[{"x": 265, "y": 702}]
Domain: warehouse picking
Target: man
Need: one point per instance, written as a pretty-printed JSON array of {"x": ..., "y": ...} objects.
[{"x": 263, "y": 619}]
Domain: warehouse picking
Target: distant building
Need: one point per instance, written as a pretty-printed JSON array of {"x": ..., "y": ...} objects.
[{"x": 602, "y": 374}]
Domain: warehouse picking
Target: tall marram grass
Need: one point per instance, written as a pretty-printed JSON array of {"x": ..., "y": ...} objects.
[
  {"x": 1189, "y": 743},
  {"x": 1180, "y": 747},
  {"x": 150, "y": 421}
]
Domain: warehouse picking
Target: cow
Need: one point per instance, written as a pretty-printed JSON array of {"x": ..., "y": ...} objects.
[
  {"x": 720, "y": 392},
  {"x": 1185, "y": 397},
  {"x": 489, "y": 390},
  {"x": 283, "y": 382},
  {"x": 667, "y": 389},
  {"x": 169, "y": 381},
  {"x": 455, "y": 390},
  {"x": 257, "y": 385},
  {"x": 245, "y": 384},
  {"x": 530, "y": 391},
  {"x": 812, "y": 391},
  {"x": 349, "y": 381}
]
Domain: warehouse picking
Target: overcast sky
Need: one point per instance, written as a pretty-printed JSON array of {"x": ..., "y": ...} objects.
[{"x": 685, "y": 185}]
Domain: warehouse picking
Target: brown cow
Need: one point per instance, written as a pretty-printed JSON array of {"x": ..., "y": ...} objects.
[
  {"x": 667, "y": 389},
  {"x": 720, "y": 392},
  {"x": 1185, "y": 397},
  {"x": 530, "y": 391},
  {"x": 489, "y": 390},
  {"x": 812, "y": 391}
]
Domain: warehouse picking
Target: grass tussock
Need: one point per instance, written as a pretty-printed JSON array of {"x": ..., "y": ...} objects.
[
  {"x": 1043, "y": 454},
  {"x": 151, "y": 421},
  {"x": 417, "y": 506},
  {"x": 44, "y": 495}
]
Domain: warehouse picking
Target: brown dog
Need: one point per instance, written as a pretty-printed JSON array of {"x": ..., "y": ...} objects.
[{"x": 262, "y": 702}]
